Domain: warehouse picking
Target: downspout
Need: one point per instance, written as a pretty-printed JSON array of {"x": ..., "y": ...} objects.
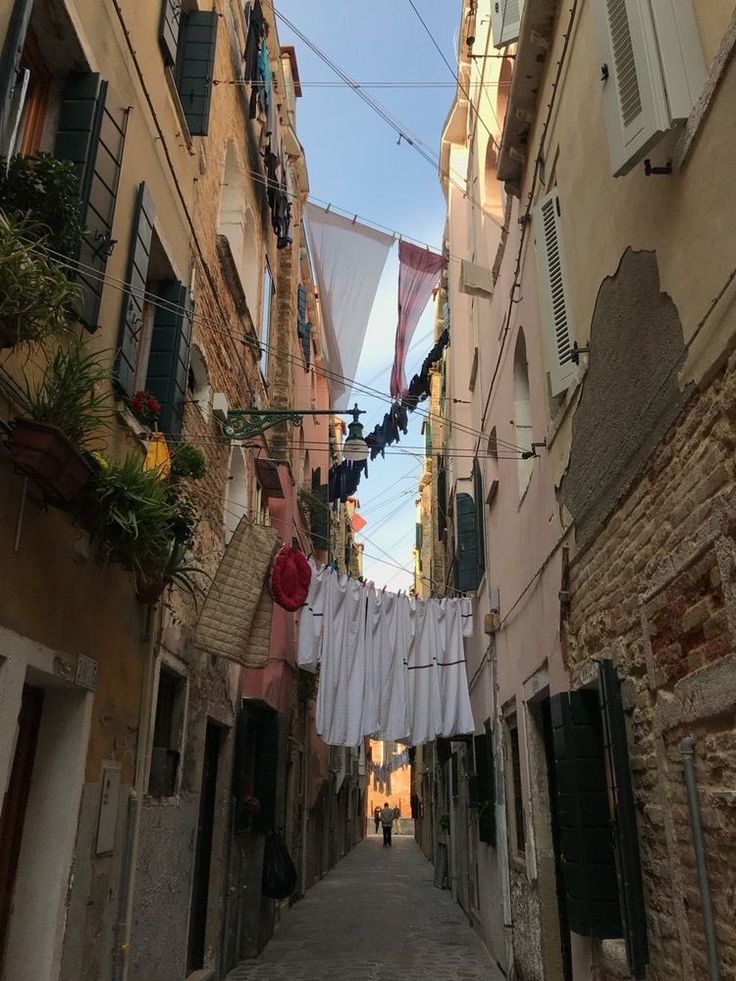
[
  {"x": 121, "y": 932},
  {"x": 687, "y": 752}
]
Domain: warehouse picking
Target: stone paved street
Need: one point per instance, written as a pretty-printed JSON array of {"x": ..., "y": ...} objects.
[{"x": 375, "y": 916}]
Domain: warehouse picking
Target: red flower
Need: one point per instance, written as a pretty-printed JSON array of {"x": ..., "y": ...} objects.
[{"x": 145, "y": 407}]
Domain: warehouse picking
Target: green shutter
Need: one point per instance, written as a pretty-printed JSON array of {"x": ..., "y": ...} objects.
[
  {"x": 168, "y": 362},
  {"x": 195, "y": 67},
  {"x": 466, "y": 552},
  {"x": 486, "y": 783},
  {"x": 419, "y": 535},
  {"x": 243, "y": 732},
  {"x": 441, "y": 497},
  {"x": 10, "y": 58},
  {"x": 303, "y": 327},
  {"x": 168, "y": 29},
  {"x": 583, "y": 816},
  {"x": 626, "y": 837},
  {"x": 479, "y": 511},
  {"x": 266, "y": 767},
  {"x": 89, "y": 136},
  {"x": 131, "y": 317}
]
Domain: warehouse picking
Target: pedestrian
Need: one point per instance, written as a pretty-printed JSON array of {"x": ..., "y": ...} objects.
[
  {"x": 387, "y": 819},
  {"x": 377, "y": 815}
]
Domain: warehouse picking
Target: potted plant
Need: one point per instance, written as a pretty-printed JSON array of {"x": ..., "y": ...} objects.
[
  {"x": 145, "y": 407},
  {"x": 36, "y": 298},
  {"x": 187, "y": 461},
  {"x": 178, "y": 570},
  {"x": 45, "y": 191},
  {"x": 65, "y": 412}
]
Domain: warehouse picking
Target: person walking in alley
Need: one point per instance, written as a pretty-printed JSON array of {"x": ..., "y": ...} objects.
[
  {"x": 387, "y": 819},
  {"x": 377, "y": 815}
]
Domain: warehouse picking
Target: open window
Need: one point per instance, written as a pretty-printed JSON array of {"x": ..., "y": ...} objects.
[
  {"x": 167, "y": 733},
  {"x": 515, "y": 795},
  {"x": 522, "y": 413}
]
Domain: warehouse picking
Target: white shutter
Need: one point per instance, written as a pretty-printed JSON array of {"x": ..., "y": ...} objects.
[
  {"x": 553, "y": 292},
  {"x": 681, "y": 53},
  {"x": 634, "y": 97},
  {"x": 505, "y": 21}
]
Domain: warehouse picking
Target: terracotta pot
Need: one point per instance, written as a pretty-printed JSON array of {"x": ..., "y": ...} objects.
[
  {"x": 150, "y": 592},
  {"x": 8, "y": 335},
  {"x": 43, "y": 453}
]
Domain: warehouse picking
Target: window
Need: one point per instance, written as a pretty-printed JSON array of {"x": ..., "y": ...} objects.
[
  {"x": 155, "y": 323},
  {"x": 303, "y": 327},
  {"x": 553, "y": 292},
  {"x": 266, "y": 307},
  {"x": 167, "y": 733},
  {"x": 30, "y": 101},
  {"x": 467, "y": 561},
  {"x": 485, "y": 776},
  {"x": 237, "y": 229},
  {"x": 480, "y": 517},
  {"x": 493, "y": 200},
  {"x": 504, "y": 90},
  {"x": 261, "y": 511},
  {"x": 441, "y": 498},
  {"x": 505, "y": 21},
  {"x": 517, "y": 798},
  {"x": 198, "y": 385},
  {"x": 522, "y": 413},
  {"x": 187, "y": 38},
  {"x": 236, "y": 494},
  {"x": 653, "y": 72}
]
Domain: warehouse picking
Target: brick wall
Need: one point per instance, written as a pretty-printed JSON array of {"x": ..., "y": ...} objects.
[{"x": 654, "y": 591}]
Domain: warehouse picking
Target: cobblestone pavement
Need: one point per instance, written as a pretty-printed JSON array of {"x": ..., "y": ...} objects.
[{"x": 375, "y": 916}]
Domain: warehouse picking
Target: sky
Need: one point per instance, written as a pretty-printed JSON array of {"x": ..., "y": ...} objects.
[{"x": 354, "y": 163}]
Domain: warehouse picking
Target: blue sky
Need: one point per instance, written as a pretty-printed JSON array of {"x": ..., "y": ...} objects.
[{"x": 354, "y": 163}]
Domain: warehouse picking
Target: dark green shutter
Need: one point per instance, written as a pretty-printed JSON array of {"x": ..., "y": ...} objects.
[
  {"x": 266, "y": 766},
  {"x": 626, "y": 837},
  {"x": 303, "y": 327},
  {"x": 195, "y": 68},
  {"x": 89, "y": 136},
  {"x": 419, "y": 535},
  {"x": 479, "y": 511},
  {"x": 466, "y": 552},
  {"x": 441, "y": 497},
  {"x": 131, "y": 316},
  {"x": 486, "y": 783},
  {"x": 10, "y": 58},
  {"x": 168, "y": 29},
  {"x": 168, "y": 362},
  {"x": 583, "y": 816}
]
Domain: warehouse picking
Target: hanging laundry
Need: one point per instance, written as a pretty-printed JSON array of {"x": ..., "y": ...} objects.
[
  {"x": 457, "y": 714},
  {"x": 311, "y": 618},
  {"x": 256, "y": 33},
  {"x": 425, "y": 710},
  {"x": 387, "y": 638}
]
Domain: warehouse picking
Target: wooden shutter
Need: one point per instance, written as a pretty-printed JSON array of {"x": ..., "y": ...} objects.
[
  {"x": 479, "y": 516},
  {"x": 195, "y": 67},
  {"x": 303, "y": 327},
  {"x": 486, "y": 783},
  {"x": 466, "y": 550},
  {"x": 168, "y": 29},
  {"x": 266, "y": 767},
  {"x": 505, "y": 21},
  {"x": 90, "y": 137},
  {"x": 553, "y": 292},
  {"x": 243, "y": 732},
  {"x": 168, "y": 362},
  {"x": 10, "y": 71},
  {"x": 583, "y": 816},
  {"x": 131, "y": 316},
  {"x": 441, "y": 497},
  {"x": 626, "y": 837}
]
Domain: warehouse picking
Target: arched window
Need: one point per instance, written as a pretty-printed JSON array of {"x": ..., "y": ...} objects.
[
  {"x": 236, "y": 224},
  {"x": 199, "y": 383},
  {"x": 522, "y": 412},
  {"x": 504, "y": 87},
  {"x": 236, "y": 494},
  {"x": 493, "y": 197}
]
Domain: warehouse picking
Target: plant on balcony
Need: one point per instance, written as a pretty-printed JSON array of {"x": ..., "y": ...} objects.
[
  {"x": 187, "y": 461},
  {"x": 46, "y": 191},
  {"x": 36, "y": 298},
  {"x": 67, "y": 409},
  {"x": 145, "y": 407}
]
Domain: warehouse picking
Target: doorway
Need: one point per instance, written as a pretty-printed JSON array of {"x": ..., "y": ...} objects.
[
  {"x": 203, "y": 853},
  {"x": 12, "y": 817}
]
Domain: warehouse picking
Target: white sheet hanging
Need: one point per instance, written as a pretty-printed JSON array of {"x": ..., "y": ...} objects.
[
  {"x": 457, "y": 713},
  {"x": 348, "y": 261},
  {"x": 425, "y": 712},
  {"x": 388, "y": 633},
  {"x": 311, "y": 619}
]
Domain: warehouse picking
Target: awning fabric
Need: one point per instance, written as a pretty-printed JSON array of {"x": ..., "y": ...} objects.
[
  {"x": 475, "y": 280},
  {"x": 235, "y": 622},
  {"x": 419, "y": 270},
  {"x": 348, "y": 260}
]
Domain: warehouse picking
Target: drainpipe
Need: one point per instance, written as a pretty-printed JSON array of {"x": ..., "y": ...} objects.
[
  {"x": 121, "y": 932},
  {"x": 687, "y": 752}
]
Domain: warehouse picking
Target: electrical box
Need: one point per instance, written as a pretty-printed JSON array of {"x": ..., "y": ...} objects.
[
  {"x": 220, "y": 406},
  {"x": 108, "y": 809}
]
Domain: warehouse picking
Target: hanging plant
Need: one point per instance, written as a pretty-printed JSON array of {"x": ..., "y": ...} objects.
[{"x": 188, "y": 461}]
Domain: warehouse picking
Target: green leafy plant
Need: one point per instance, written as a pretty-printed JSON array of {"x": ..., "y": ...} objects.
[
  {"x": 73, "y": 395},
  {"x": 186, "y": 515},
  {"x": 45, "y": 190},
  {"x": 36, "y": 298},
  {"x": 188, "y": 461}
]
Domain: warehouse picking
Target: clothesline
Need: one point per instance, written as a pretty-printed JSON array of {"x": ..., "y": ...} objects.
[{"x": 392, "y": 667}]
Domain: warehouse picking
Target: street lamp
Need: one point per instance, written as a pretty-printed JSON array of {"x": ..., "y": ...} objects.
[
  {"x": 355, "y": 449},
  {"x": 247, "y": 424}
]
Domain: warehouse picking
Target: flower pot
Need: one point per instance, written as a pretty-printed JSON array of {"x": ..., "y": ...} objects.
[
  {"x": 43, "y": 453},
  {"x": 151, "y": 592}
]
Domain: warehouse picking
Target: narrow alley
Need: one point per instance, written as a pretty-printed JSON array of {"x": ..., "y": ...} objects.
[{"x": 376, "y": 915}]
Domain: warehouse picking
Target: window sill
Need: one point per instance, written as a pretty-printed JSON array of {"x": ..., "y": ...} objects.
[{"x": 128, "y": 420}]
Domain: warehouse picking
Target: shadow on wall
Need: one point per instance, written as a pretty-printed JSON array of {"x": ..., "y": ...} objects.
[{"x": 630, "y": 394}]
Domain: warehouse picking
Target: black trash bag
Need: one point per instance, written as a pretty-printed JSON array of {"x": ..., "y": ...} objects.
[{"x": 279, "y": 873}]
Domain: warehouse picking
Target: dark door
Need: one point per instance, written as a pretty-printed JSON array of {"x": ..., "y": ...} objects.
[
  {"x": 559, "y": 883},
  {"x": 203, "y": 855},
  {"x": 13, "y": 812}
]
